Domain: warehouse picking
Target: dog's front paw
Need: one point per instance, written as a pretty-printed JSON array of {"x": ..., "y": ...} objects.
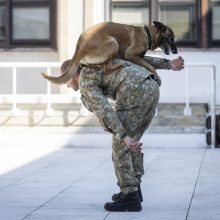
[{"x": 152, "y": 70}]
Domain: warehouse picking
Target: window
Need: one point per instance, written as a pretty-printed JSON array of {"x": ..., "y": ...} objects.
[
  {"x": 134, "y": 12},
  {"x": 181, "y": 16},
  {"x": 196, "y": 23},
  {"x": 214, "y": 22},
  {"x": 27, "y": 23}
]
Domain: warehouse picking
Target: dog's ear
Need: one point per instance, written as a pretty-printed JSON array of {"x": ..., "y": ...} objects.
[{"x": 160, "y": 26}]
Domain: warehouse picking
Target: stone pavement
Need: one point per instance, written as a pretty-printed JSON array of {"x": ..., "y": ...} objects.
[{"x": 55, "y": 183}]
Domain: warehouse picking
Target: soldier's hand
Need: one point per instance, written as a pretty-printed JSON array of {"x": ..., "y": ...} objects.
[
  {"x": 177, "y": 64},
  {"x": 135, "y": 146}
]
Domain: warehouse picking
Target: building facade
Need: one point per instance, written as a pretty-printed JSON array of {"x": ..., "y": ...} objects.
[{"x": 47, "y": 31}]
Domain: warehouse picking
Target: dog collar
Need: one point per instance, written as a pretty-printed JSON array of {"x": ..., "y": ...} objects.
[{"x": 149, "y": 37}]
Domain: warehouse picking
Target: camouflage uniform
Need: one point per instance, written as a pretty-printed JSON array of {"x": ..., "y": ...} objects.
[{"x": 136, "y": 92}]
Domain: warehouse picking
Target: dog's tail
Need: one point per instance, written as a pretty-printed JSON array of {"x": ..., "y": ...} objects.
[
  {"x": 65, "y": 77},
  {"x": 69, "y": 72}
]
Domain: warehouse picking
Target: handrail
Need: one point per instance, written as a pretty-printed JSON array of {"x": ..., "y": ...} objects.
[
  {"x": 14, "y": 66},
  {"x": 187, "y": 109},
  {"x": 29, "y": 64}
]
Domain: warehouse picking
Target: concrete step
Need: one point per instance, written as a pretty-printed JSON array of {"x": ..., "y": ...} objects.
[
  {"x": 178, "y": 120},
  {"x": 173, "y": 109},
  {"x": 177, "y": 109},
  {"x": 170, "y": 118}
]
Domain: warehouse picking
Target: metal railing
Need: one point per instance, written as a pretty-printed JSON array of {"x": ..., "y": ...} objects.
[
  {"x": 212, "y": 101},
  {"x": 14, "y": 98},
  {"x": 50, "y": 98}
]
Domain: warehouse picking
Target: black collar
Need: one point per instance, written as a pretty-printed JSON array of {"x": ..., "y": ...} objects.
[{"x": 149, "y": 37}]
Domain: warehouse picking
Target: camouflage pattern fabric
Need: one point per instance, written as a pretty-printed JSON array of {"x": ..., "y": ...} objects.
[
  {"x": 136, "y": 94},
  {"x": 129, "y": 167}
]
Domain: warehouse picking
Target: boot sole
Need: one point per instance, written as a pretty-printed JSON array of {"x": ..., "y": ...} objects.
[
  {"x": 131, "y": 208},
  {"x": 115, "y": 200},
  {"x": 136, "y": 208}
]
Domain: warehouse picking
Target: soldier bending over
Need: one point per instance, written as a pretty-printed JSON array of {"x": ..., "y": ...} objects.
[{"x": 136, "y": 92}]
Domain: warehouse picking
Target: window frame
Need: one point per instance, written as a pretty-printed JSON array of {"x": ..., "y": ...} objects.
[
  {"x": 7, "y": 23},
  {"x": 9, "y": 43}
]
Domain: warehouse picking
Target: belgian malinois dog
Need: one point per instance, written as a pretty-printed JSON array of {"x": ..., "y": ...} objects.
[{"x": 107, "y": 40}]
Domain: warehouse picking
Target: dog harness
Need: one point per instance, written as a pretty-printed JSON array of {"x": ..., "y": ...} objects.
[{"x": 149, "y": 37}]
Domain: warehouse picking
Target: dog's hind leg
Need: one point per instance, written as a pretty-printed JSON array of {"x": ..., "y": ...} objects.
[
  {"x": 101, "y": 51},
  {"x": 111, "y": 48},
  {"x": 110, "y": 67}
]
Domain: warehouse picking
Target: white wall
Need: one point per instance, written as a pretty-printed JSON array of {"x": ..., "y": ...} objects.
[
  {"x": 29, "y": 55},
  {"x": 74, "y": 24},
  {"x": 98, "y": 11}
]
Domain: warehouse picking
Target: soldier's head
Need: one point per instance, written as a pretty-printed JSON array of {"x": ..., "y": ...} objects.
[{"x": 74, "y": 82}]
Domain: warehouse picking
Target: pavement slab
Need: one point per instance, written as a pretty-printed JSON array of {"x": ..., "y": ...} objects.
[{"x": 74, "y": 183}]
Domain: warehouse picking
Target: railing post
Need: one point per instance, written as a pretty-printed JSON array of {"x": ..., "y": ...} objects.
[
  {"x": 15, "y": 110},
  {"x": 49, "y": 110},
  {"x": 187, "y": 109},
  {"x": 83, "y": 111},
  {"x": 213, "y": 110},
  {"x": 156, "y": 112}
]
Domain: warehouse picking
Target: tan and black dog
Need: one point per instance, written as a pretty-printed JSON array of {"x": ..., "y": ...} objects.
[{"x": 107, "y": 40}]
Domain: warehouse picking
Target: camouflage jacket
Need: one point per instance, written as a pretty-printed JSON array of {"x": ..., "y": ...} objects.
[{"x": 96, "y": 87}]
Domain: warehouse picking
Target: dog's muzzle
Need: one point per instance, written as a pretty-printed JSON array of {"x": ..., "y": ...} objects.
[
  {"x": 173, "y": 48},
  {"x": 167, "y": 46}
]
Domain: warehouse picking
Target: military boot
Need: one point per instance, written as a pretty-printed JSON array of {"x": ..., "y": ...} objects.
[
  {"x": 127, "y": 202},
  {"x": 116, "y": 196}
]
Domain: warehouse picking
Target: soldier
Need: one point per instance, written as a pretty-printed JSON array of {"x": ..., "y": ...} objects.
[{"x": 136, "y": 94}]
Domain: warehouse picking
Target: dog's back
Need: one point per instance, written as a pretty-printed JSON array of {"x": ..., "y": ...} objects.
[{"x": 124, "y": 35}]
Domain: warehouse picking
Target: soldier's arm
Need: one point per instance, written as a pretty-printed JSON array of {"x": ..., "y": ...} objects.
[
  {"x": 158, "y": 63},
  {"x": 94, "y": 100}
]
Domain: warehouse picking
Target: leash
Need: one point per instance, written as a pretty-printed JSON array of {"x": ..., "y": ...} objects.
[{"x": 149, "y": 37}]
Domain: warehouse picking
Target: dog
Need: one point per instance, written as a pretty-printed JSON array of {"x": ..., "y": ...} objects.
[{"x": 101, "y": 43}]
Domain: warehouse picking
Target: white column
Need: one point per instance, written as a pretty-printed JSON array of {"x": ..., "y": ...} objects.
[
  {"x": 75, "y": 24},
  {"x": 15, "y": 111},
  {"x": 213, "y": 107},
  {"x": 107, "y": 10},
  {"x": 98, "y": 11},
  {"x": 49, "y": 110}
]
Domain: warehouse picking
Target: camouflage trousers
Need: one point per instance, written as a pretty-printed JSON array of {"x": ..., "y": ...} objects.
[{"x": 129, "y": 167}]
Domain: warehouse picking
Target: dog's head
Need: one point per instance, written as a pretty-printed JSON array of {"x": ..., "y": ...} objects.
[{"x": 167, "y": 42}]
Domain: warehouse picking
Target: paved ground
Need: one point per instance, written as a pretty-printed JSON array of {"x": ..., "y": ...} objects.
[{"x": 50, "y": 183}]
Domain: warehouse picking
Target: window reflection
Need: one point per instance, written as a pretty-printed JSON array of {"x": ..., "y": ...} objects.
[
  {"x": 31, "y": 23},
  {"x": 182, "y": 19},
  {"x": 2, "y": 23},
  {"x": 216, "y": 20},
  {"x": 131, "y": 16},
  {"x": 130, "y": 12}
]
